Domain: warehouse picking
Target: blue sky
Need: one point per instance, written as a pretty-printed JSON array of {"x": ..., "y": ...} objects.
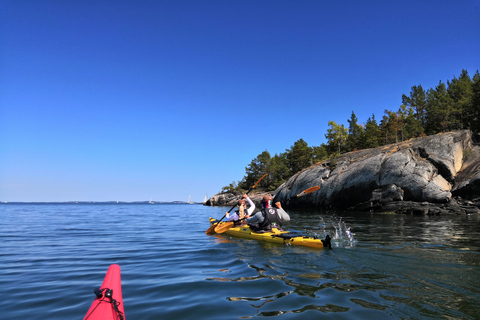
[{"x": 132, "y": 100}]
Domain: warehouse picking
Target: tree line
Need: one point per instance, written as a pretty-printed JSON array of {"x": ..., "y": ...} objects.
[{"x": 454, "y": 105}]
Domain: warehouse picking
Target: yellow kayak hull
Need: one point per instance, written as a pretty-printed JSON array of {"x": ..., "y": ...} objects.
[{"x": 275, "y": 236}]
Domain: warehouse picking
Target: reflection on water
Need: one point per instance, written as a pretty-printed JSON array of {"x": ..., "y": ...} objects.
[{"x": 381, "y": 267}]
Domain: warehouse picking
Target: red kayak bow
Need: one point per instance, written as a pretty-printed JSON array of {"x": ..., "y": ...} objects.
[{"x": 108, "y": 305}]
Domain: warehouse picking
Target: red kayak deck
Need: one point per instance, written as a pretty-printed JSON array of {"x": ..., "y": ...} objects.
[{"x": 108, "y": 305}]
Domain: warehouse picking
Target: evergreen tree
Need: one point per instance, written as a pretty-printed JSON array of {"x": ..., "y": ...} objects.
[
  {"x": 446, "y": 107},
  {"x": 402, "y": 114},
  {"x": 474, "y": 108},
  {"x": 372, "y": 133},
  {"x": 256, "y": 169},
  {"x": 412, "y": 128},
  {"x": 278, "y": 169},
  {"x": 391, "y": 125},
  {"x": 439, "y": 110},
  {"x": 336, "y": 136},
  {"x": 418, "y": 101},
  {"x": 299, "y": 156},
  {"x": 460, "y": 92},
  {"x": 320, "y": 153},
  {"x": 232, "y": 187},
  {"x": 355, "y": 134}
]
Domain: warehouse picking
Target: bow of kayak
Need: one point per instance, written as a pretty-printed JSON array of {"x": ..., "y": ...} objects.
[
  {"x": 276, "y": 236},
  {"x": 108, "y": 305}
]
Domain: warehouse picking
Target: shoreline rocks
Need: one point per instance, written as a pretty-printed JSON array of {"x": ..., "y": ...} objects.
[
  {"x": 229, "y": 199},
  {"x": 437, "y": 174},
  {"x": 432, "y": 175}
]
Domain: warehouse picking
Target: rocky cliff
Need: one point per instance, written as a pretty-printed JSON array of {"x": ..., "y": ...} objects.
[{"x": 437, "y": 174}]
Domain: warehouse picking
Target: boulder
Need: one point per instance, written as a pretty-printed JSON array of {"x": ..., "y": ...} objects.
[
  {"x": 229, "y": 199},
  {"x": 421, "y": 175}
]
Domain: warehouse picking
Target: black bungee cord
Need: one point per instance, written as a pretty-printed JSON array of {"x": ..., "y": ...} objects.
[{"x": 108, "y": 294}]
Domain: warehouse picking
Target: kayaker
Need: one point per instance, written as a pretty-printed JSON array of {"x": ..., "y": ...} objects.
[
  {"x": 268, "y": 217},
  {"x": 242, "y": 209}
]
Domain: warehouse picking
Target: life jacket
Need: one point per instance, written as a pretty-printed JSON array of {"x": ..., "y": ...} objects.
[{"x": 270, "y": 219}]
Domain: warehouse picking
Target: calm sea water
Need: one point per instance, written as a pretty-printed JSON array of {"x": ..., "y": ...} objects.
[{"x": 386, "y": 267}]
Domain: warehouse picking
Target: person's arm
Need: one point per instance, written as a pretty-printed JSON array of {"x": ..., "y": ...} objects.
[
  {"x": 257, "y": 217},
  {"x": 281, "y": 213},
  {"x": 231, "y": 216},
  {"x": 252, "y": 206}
]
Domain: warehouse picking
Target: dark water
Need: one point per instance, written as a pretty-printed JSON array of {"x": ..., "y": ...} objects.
[{"x": 389, "y": 267}]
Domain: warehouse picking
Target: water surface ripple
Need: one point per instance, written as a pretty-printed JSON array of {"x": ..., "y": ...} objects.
[{"x": 52, "y": 256}]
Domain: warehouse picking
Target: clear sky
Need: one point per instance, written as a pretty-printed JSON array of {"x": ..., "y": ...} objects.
[{"x": 138, "y": 100}]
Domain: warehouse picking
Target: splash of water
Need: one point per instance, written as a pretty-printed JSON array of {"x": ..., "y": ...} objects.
[{"x": 342, "y": 235}]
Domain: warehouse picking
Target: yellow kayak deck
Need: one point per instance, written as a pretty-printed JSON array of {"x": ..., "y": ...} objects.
[{"x": 275, "y": 236}]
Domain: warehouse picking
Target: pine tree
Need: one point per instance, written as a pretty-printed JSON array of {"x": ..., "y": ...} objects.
[
  {"x": 439, "y": 110},
  {"x": 372, "y": 133},
  {"x": 319, "y": 153},
  {"x": 278, "y": 169},
  {"x": 336, "y": 136},
  {"x": 460, "y": 92},
  {"x": 256, "y": 169},
  {"x": 299, "y": 156},
  {"x": 412, "y": 127},
  {"x": 355, "y": 134},
  {"x": 474, "y": 108},
  {"x": 418, "y": 101},
  {"x": 391, "y": 126},
  {"x": 402, "y": 114}
]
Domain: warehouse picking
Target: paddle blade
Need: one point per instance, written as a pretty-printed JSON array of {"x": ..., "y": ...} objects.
[
  {"x": 223, "y": 227},
  {"x": 307, "y": 191},
  {"x": 211, "y": 230}
]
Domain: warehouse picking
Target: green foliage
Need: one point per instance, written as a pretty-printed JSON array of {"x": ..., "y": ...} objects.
[
  {"x": 337, "y": 136},
  {"x": 473, "y": 110},
  {"x": 412, "y": 125},
  {"x": 401, "y": 125},
  {"x": 299, "y": 157},
  {"x": 319, "y": 153},
  {"x": 355, "y": 139},
  {"x": 372, "y": 134},
  {"x": 451, "y": 106},
  {"x": 232, "y": 187},
  {"x": 256, "y": 169},
  {"x": 461, "y": 91},
  {"x": 418, "y": 102},
  {"x": 278, "y": 170},
  {"x": 440, "y": 110},
  {"x": 391, "y": 125}
]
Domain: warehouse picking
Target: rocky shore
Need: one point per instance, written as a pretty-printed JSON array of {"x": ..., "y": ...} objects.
[
  {"x": 436, "y": 175},
  {"x": 230, "y": 199}
]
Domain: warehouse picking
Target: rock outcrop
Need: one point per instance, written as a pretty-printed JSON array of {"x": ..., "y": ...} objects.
[
  {"x": 437, "y": 174},
  {"x": 230, "y": 199}
]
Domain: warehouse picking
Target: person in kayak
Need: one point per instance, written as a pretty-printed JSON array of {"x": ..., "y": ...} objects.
[
  {"x": 242, "y": 209},
  {"x": 268, "y": 217}
]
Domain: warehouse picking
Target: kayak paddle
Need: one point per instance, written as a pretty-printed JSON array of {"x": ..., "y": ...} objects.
[
  {"x": 224, "y": 227},
  {"x": 212, "y": 230},
  {"x": 307, "y": 191}
]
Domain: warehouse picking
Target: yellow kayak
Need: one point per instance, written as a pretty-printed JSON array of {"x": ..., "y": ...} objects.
[{"x": 275, "y": 236}]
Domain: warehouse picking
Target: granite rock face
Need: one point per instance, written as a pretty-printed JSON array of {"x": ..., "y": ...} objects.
[
  {"x": 437, "y": 174},
  {"x": 231, "y": 199}
]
